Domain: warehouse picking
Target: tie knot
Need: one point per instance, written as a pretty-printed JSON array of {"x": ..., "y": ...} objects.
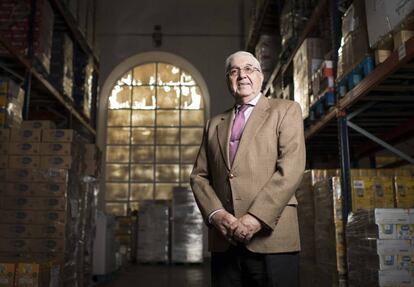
[{"x": 242, "y": 108}]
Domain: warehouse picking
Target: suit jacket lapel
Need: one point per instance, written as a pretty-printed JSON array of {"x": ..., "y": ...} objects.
[
  {"x": 253, "y": 125},
  {"x": 223, "y": 133}
]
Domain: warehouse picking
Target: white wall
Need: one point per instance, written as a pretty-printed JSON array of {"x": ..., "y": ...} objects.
[{"x": 204, "y": 32}]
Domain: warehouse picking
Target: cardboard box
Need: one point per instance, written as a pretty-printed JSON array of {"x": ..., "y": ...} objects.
[
  {"x": 401, "y": 37},
  {"x": 396, "y": 254},
  {"x": 7, "y": 273},
  {"x": 56, "y": 149},
  {"x": 20, "y": 175},
  {"x": 33, "y": 203},
  {"x": 400, "y": 278},
  {"x": 58, "y": 135},
  {"x": 61, "y": 162},
  {"x": 395, "y": 223},
  {"x": 32, "y": 245},
  {"x": 381, "y": 56},
  {"x": 24, "y": 148},
  {"x": 17, "y": 216},
  {"x": 38, "y": 125},
  {"x": 4, "y": 161},
  {"x": 32, "y": 230},
  {"x": 24, "y": 161},
  {"x": 4, "y": 148},
  {"x": 32, "y": 274},
  {"x": 369, "y": 192},
  {"x": 4, "y": 135},
  {"x": 404, "y": 191},
  {"x": 25, "y": 135}
]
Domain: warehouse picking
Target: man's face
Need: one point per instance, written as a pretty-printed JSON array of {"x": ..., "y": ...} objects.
[{"x": 246, "y": 80}]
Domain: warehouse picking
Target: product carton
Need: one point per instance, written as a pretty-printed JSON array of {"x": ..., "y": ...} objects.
[
  {"x": 58, "y": 148},
  {"x": 25, "y": 135},
  {"x": 24, "y": 148},
  {"x": 38, "y": 125},
  {"x": 7, "y": 272},
  {"x": 395, "y": 223},
  {"x": 56, "y": 162},
  {"x": 58, "y": 135},
  {"x": 404, "y": 191},
  {"x": 24, "y": 161}
]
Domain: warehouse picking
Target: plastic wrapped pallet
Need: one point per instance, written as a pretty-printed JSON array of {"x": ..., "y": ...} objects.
[
  {"x": 153, "y": 231},
  {"x": 306, "y": 61},
  {"x": 15, "y": 26},
  {"x": 187, "y": 228},
  {"x": 379, "y": 243},
  {"x": 329, "y": 241}
]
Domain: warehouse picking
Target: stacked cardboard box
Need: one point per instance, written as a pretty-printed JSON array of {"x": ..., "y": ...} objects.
[
  {"x": 329, "y": 237},
  {"x": 45, "y": 201},
  {"x": 153, "y": 231},
  {"x": 11, "y": 103},
  {"x": 187, "y": 228},
  {"x": 29, "y": 274},
  {"x": 380, "y": 248},
  {"x": 354, "y": 43},
  {"x": 61, "y": 68},
  {"x": 15, "y": 26},
  {"x": 306, "y": 61}
]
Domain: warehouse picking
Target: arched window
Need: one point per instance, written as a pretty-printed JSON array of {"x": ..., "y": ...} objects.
[{"x": 154, "y": 129}]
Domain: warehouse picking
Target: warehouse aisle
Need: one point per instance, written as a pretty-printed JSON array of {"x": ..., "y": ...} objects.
[{"x": 163, "y": 276}]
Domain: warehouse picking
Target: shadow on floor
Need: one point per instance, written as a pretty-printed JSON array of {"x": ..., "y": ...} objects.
[{"x": 191, "y": 275}]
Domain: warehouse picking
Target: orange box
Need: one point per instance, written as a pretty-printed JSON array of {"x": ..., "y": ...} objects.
[
  {"x": 25, "y": 135},
  {"x": 24, "y": 161},
  {"x": 58, "y": 135},
  {"x": 24, "y": 148}
]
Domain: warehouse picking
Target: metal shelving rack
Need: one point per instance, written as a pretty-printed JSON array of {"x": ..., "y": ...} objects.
[
  {"x": 21, "y": 67},
  {"x": 381, "y": 106}
]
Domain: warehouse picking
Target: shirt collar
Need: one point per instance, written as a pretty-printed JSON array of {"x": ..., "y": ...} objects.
[{"x": 252, "y": 102}]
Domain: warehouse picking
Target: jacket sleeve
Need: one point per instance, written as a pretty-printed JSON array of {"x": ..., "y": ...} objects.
[
  {"x": 201, "y": 182},
  {"x": 276, "y": 193}
]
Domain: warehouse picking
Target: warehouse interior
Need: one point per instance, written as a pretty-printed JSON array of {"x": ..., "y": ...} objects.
[{"x": 102, "y": 111}]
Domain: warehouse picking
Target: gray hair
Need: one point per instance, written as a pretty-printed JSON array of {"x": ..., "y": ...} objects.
[{"x": 256, "y": 63}]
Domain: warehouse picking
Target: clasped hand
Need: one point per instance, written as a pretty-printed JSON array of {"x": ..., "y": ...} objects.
[{"x": 236, "y": 230}]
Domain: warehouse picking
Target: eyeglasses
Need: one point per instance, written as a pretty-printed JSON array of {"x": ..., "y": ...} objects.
[{"x": 247, "y": 70}]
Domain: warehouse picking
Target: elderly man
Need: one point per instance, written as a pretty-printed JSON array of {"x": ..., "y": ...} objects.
[{"x": 250, "y": 162}]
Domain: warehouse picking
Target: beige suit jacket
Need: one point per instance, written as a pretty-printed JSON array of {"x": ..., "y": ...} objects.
[{"x": 266, "y": 171}]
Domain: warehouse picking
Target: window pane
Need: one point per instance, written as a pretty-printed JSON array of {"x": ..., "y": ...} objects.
[
  {"x": 186, "y": 79},
  {"x": 167, "y": 154},
  {"x": 164, "y": 190},
  {"x": 167, "y": 173},
  {"x": 191, "y": 98},
  {"x": 168, "y": 74},
  {"x": 167, "y": 135},
  {"x": 168, "y": 118},
  {"x": 168, "y": 97},
  {"x": 117, "y": 172},
  {"x": 119, "y": 117},
  {"x": 142, "y": 153},
  {"x": 143, "y": 118},
  {"x": 120, "y": 97},
  {"x": 185, "y": 172},
  {"x": 118, "y": 135},
  {"x": 143, "y": 97},
  {"x": 118, "y": 209},
  {"x": 142, "y": 191},
  {"x": 134, "y": 205},
  {"x": 191, "y": 135},
  {"x": 142, "y": 136},
  {"x": 117, "y": 153},
  {"x": 144, "y": 74},
  {"x": 189, "y": 153},
  {"x": 192, "y": 118},
  {"x": 142, "y": 172},
  {"x": 116, "y": 191}
]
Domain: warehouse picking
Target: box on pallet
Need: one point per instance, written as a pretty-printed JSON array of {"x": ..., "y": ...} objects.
[
  {"x": 56, "y": 161},
  {"x": 58, "y": 135},
  {"x": 25, "y": 135},
  {"x": 32, "y": 216},
  {"x": 32, "y": 230},
  {"x": 58, "y": 148},
  {"x": 404, "y": 191},
  {"x": 33, "y": 203},
  {"x": 24, "y": 148},
  {"x": 32, "y": 245},
  {"x": 24, "y": 161},
  {"x": 33, "y": 189},
  {"x": 395, "y": 223},
  {"x": 34, "y": 124},
  {"x": 369, "y": 192},
  {"x": 396, "y": 254}
]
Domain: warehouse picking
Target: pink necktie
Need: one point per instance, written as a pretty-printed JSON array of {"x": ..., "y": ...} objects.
[{"x": 236, "y": 131}]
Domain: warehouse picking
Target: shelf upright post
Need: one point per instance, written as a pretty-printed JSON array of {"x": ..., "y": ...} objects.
[{"x": 28, "y": 77}]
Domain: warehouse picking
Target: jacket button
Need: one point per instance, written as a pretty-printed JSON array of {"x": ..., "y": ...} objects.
[{"x": 231, "y": 175}]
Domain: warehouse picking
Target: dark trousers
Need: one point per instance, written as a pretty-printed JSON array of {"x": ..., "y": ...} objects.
[{"x": 238, "y": 267}]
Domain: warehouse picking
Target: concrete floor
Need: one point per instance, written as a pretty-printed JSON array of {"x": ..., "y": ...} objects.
[{"x": 192, "y": 275}]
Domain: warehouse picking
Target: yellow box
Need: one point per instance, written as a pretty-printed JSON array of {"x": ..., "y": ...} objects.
[
  {"x": 383, "y": 190},
  {"x": 404, "y": 191},
  {"x": 24, "y": 161},
  {"x": 32, "y": 275},
  {"x": 362, "y": 196},
  {"x": 56, "y": 148},
  {"x": 4, "y": 135},
  {"x": 24, "y": 148},
  {"x": 4, "y": 148},
  {"x": 25, "y": 135},
  {"x": 7, "y": 273},
  {"x": 62, "y": 162},
  {"x": 38, "y": 125},
  {"x": 58, "y": 135}
]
